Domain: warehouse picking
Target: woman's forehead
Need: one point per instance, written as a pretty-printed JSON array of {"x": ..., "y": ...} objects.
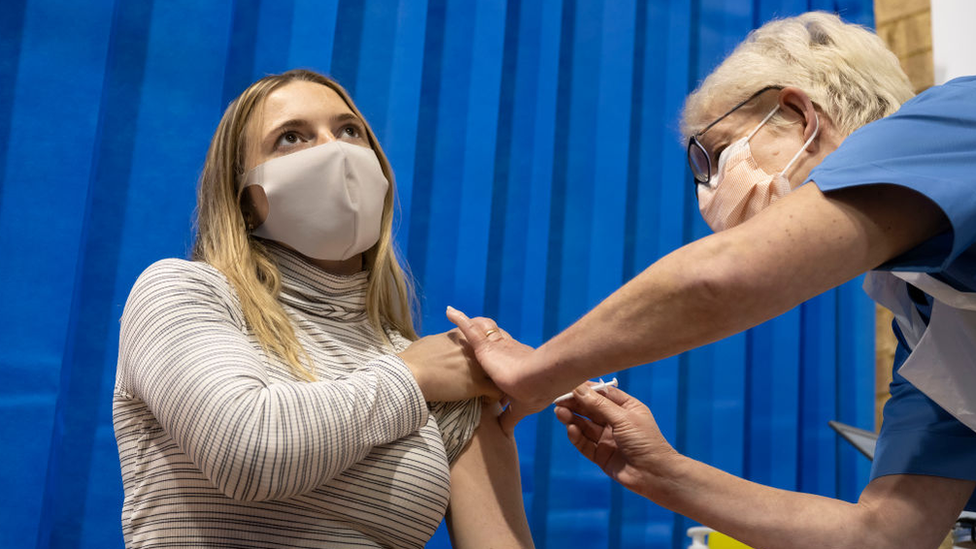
[{"x": 301, "y": 97}]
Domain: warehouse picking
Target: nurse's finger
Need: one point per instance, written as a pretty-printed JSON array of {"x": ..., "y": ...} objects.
[
  {"x": 589, "y": 429},
  {"x": 583, "y": 444},
  {"x": 564, "y": 414},
  {"x": 619, "y": 396},
  {"x": 476, "y": 338},
  {"x": 478, "y": 331},
  {"x": 510, "y": 417},
  {"x": 593, "y": 405},
  {"x": 488, "y": 327}
]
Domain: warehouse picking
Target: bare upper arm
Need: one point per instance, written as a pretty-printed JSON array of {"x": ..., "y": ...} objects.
[
  {"x": 809, "y": 242},
  {"x": 486, "y": 508},
  {"x": 892, "y": 218}
]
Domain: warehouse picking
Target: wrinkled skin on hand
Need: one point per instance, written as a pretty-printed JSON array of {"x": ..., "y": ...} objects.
[
  {"x": 510, "y": 364},
  {"x": 618, "y": 433}
]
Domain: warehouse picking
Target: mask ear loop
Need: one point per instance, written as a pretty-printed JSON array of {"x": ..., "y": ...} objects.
[
  {"x": 763, "y": 123},
  {"x": 714, "y": 182},
  {"x": 805, "y": 145}
]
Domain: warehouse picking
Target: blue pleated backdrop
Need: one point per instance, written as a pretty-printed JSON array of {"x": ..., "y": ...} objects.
[{"x": 539, "y": 167}]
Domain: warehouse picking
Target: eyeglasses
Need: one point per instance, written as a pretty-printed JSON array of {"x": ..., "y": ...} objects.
[{"x": 698, "y": 159}]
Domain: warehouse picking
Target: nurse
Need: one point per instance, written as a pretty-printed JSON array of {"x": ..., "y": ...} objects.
[{"x": 802, "y": 198}]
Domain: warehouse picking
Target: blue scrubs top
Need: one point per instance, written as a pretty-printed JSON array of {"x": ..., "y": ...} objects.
[{"x": 929, "y": 146}]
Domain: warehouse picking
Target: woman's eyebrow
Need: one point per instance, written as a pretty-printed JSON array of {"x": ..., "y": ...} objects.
[
  {"x": 287, "y": 124},
  {"x": 344, "y": 117}
]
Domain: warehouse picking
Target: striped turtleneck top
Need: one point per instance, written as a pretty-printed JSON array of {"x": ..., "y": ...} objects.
[{"x": 222, "y": 446}]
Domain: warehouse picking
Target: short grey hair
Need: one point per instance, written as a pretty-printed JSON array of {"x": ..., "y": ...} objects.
[{"x": 846, "y": 69}]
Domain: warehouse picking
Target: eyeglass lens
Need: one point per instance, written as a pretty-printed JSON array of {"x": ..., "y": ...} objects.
[{"x": 698, "y": 161}]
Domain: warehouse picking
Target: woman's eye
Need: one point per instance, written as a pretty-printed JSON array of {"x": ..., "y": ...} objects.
[
  {"x": 288, "y": 139},
  {"x": 351, "y": 131}
]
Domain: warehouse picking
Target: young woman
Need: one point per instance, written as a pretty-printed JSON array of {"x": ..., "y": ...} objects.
[{"x": 272, "y": 392}]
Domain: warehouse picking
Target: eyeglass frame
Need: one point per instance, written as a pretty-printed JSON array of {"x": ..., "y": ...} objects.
[{"x": 694, "y": 143}]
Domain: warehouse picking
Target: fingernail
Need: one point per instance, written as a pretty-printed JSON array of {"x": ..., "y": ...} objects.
[
  {"x": 450, "y": 309},
  {"x": 557, "y": 416}
]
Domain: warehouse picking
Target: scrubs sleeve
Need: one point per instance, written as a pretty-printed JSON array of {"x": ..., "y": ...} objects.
[
  {"x": 918, "y": 437},
  {"x": 928, "y": 146}
]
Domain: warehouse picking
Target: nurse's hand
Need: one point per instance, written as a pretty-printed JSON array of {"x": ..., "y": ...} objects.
[
  {"x": 511, "y": 365},
  {"x": 446, "y": 369},
  {"x": 618, "y": 433}
]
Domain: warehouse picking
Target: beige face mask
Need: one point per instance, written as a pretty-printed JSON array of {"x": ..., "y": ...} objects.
[
  {"x": 326, "y": 202},
  {"x": 740, "y": 188}
]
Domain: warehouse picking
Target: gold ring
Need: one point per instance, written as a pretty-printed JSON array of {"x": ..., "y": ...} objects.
[{"x": 489, "y": 332}]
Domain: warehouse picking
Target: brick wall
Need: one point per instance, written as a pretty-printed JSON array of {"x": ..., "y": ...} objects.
[{"x": 906, "y": 26}]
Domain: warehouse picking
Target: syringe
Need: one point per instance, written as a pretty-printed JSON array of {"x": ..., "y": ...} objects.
[{"x": 600, "y": 386}]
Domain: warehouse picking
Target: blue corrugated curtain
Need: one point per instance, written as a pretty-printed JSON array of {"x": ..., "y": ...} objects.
[{"x": 539, "y": 168}]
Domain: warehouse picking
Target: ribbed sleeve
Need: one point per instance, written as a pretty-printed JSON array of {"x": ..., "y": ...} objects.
[
  {"x": 184, "y": 351},
  {"x": 457, "y": 421}
]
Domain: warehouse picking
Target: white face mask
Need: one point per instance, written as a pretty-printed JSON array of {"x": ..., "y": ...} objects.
[
  {"x": 740, "y": 188},
  {"x": 326, "y": 201}
]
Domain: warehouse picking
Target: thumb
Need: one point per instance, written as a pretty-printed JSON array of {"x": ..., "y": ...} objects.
[
  {"x": 509, "y": 418},
  {"x": 596, "y": 406},
  {"x": 476, "y": 338}
]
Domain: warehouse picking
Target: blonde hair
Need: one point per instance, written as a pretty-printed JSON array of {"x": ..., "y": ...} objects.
[
  {"x": 222, "y": 239},
  {"x": 846, "y": 69}
]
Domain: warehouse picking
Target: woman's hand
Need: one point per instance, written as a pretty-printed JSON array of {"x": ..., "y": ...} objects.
[
  {"x": 619, "y": 434},
  {"x": 446, "y": 369}
]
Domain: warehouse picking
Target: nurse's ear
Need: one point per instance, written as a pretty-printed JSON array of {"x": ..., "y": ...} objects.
[{"x": 796, "y": 101}]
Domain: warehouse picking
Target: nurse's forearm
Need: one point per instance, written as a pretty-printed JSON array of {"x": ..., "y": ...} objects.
[
  {"x": 673, "y": 306},
  {"x": 797, "y": 248},
  {"x": 759, "y": 516},
  {"x": 894, "y": 511}
]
